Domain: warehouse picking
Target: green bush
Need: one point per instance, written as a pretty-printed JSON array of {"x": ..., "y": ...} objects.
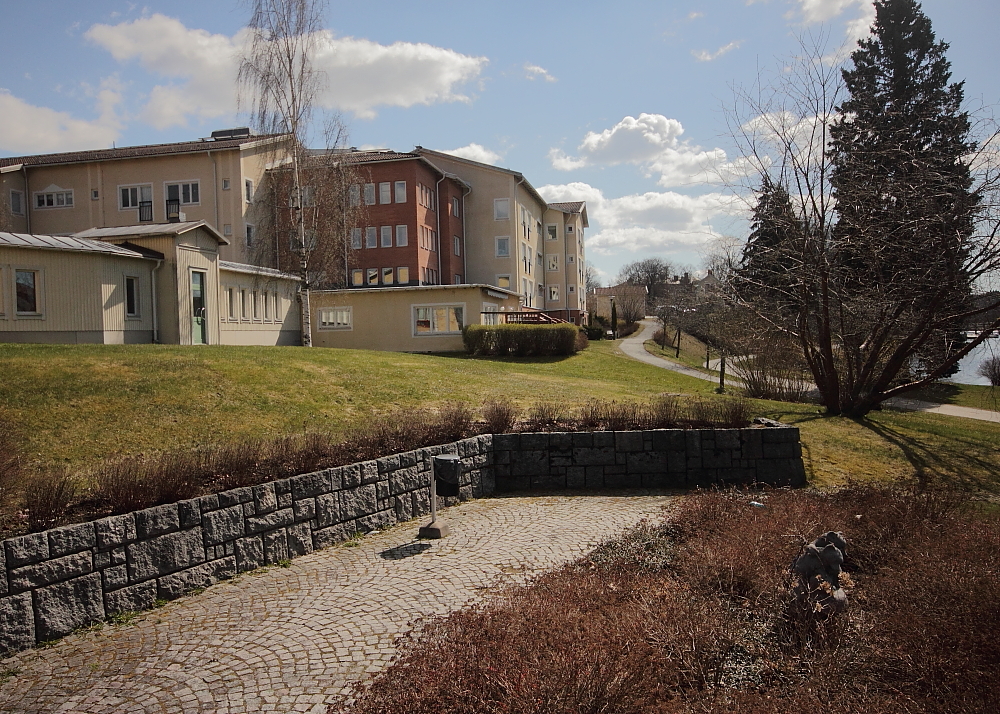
[
  {"x": 521, "y": 340},
  {"x": 595, "y": 332}
]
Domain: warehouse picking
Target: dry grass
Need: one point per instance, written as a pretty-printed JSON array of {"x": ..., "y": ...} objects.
[{"x": 695, "y": 615}]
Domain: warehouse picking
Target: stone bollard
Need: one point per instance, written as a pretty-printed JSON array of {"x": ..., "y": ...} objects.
[{"x": 817, "y": 570}]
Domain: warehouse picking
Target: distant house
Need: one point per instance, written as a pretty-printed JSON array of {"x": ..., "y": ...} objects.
[{"x": 136, "y": 284}]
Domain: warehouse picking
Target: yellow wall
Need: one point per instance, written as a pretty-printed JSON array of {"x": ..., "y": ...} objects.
[
  {"x": 12, "y": 181},
  {"x": 268, "y": 327},
  {"x": 383, "y": 319}
]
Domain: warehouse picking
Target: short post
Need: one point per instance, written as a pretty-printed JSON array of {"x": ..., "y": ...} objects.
[{"x": 445, "y": 475}]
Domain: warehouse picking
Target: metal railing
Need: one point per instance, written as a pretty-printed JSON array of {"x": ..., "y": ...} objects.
[
  {"x": 145, "y": 211},
  {"x": 519, "y": 317}
]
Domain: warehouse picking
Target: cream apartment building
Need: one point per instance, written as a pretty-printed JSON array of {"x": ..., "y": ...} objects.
[{"x": 212, "y": 180}]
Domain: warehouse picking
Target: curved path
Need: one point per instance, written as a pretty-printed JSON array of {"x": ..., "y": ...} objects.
[
  {"x": 634, "y": 347},
  {"x": 288, "y": 639}
]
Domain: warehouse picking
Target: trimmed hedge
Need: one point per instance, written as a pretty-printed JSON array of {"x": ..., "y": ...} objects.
[{"x": 521, "y": 340}]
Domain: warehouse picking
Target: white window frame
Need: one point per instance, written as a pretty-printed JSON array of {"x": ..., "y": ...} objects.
[
  {"x": 403, "y": 271},
  {"x": 501, "y": 209},
  {"x": 386, "y": 237},
  {"x": 265, "y": 300},
  {"x": 400, "y": 191},
  {"x": 434, "y": 308},
  {"x": 137, "y": 314},
  {"x": 354, "y": 194},
  {"x": 369, "y": 194},
  {"x": 139, "y": 199},
  {"x": 39, "y": 312},
  {"x": 356, "y": 239},
  {"x": 249, "y": 235},
  {"x": 552, "y": 263},
  {"x": 255, "y": 305},
  {"x": 501, "y": 278},
  {"x": 358, "y": 277},
  {"x": 225, "y": 184},
  {"x": 244, "y": 306},
  {"x": 248, "y": 190},
  {"x": 384, "y": 192},
  {"x": 571, "y": 289},
  {"x": 20, "y": 201},
  {"x": 231, "y": 299},
  {"x": 278, "y": 317},
  {"x": 94, "y": 194},
  {"x": 66, "y": 194},
  {"x": 371, "y": 237},
  {"x": 570, "y": 259},
  {"x": 457, "y": 243},
  {"x": 506, "y": 253},
  {"x": 454, "y": 206},
  {"x": 371, "y": 276},
  {"x": 390, "y": 272},
  {"x": 402, "y": 236},
  {"x": 180, "y": 191},
  {"x": 551, "y": 231},
  {"x": 336, "y": 318},
  {"x": 553, "y": 293}
]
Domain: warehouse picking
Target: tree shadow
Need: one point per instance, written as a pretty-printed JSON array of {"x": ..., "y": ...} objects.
[
  {"x": 407, "y": 550},
  {"x": 937, "y": 392}
]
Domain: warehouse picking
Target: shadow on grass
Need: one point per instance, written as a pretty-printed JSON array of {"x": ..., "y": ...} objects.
[{"x": 503, "y": 360}]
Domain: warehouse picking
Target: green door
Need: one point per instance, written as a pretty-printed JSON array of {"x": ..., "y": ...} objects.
[{"x": 199, "y": 321}]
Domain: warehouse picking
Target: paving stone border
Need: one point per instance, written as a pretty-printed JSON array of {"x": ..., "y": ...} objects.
[{"x": 59, "y": 580}]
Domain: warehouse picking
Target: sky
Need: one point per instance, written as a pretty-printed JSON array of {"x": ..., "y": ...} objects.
[{"x": 623, "y": 105}]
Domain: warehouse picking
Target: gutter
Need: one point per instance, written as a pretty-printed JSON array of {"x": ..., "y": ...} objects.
[
  {"x": 465, "y": 244},
  {"x": 156, "y": 324},
  {"x": 27, "y": 198}
]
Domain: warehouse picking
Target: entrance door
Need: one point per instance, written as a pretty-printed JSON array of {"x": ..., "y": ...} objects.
[{"x": 199, "y": 316}]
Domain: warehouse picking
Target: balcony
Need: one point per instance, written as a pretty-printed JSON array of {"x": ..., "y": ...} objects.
[
  {"x": 173, "y": 210},
  {"x": 145, "y": 211}
]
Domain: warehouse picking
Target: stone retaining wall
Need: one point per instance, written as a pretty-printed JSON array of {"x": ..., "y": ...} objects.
[{"x": 56, "y": 581}]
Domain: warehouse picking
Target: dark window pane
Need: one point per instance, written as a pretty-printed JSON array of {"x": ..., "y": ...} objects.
[{"x": 26, "y": 293}]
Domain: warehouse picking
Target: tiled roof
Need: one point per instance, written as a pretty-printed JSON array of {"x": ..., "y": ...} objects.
[
  {"x": 131, "y": 152},
  {"x": 365, "y": 157},
  {"x": 569, "y": 207},
  {"x": 71, "y": 243}
]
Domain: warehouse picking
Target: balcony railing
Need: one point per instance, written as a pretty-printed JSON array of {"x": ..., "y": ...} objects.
[
  {"x": 173, "y": 209},
  {"x": 145, "y": 211},
  {"x": 519, "y": 317}
]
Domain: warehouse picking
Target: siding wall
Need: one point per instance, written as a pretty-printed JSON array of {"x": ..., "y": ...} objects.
[{"x": 281, "y": 328}]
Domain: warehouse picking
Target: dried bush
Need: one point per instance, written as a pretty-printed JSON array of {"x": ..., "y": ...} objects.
[
  {"x": 46, "y": 496},
  {"x": 990, "y": 369},
  {"x": 582, "y": 340},
  {"x": 776, "y": 371},
  {"x": 627, "y": 329},
  {"x": 664, "y": 412},
  {"x": 454, "y": 422},
  {"x": 136, "y": 482},
  {"x": 500, "y": 415},
  {"x": 728, "y": 412},
  {"x": 10, "y": 464},
  {"x": 544, "y": 415}
]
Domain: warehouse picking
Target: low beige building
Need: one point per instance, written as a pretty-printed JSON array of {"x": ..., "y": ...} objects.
[
  {"x": 426, "y": 318},
  {"x": 134, "y": 284}
]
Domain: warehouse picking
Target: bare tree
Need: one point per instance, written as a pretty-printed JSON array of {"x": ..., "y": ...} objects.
[
  {"x": 592, "y": 278},
  {"x": 653, "y": 273},
  {"x": 631, "y": 302},
  {"x": 278, "y": 84}
]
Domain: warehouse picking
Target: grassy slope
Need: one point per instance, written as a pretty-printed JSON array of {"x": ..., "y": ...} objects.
[
  {"x": 963, "y": 395},
  {"x": 78, "y": 403}
]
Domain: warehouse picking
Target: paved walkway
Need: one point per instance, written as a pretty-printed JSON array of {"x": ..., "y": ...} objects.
[
  {"x": 634, "y": 347},
  {"x": 288, "y": 639}
]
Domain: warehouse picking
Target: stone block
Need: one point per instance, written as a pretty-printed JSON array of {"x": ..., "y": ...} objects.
[
  {"x": 382, "y": 488},
  {"x": 668, "y": 440},
  {"x": 282, "y": 485},
  {"x": 663, "y": 480},
  {"x": 595, "y": 456},
  {"x": 406, "y": 479},
  {"x": 582, "y": 440},
  {"x": 560, "y": 461},
  {"x": 26, "y": 549},
  {"x": 328, "y": 510},
  {"x": 208, "y": 503},
  {"x": 157, "y": 521},
  {"x": 71, "y": 539},
  {"x": 134, "y": 598},
  {"x": 358, "y": 502},
  {"x": 529, "y": 463},
  {"x": 236, "y": 495},
  {"x": 108, "y": 558},
  {"x": 676, "y": 462},
  {"x": 560, "y": 441},
  {"x": 304, "y": 510},
  {"x": 752, "y": 445},
  {"x": 727, "y": 439},
  {"x": 249, "y": 553},
  {"x": 249, "y": 508},
  {"x": 780, "y": 450},
  {"x": 501, "y": 457},
  {"x": 737, "y": 476},
  {"x": 650, "y": 462},
  {"x": 300, "y": 540},
  {"x": 465, "y": 493},
  {"x": 387, "y": 464},
  {"x": 223, "y": 525},
  {"x": 377, "y": 521},
  {"x": 165, "y": 554},
  {"x": 173, "y": 586},
  {"x": 275, "y": 546},
  {"x": 701, "y": 478},
  {"x": 369, "y": 472},
  {"x": 593, "y": 477},
  {"x": 549, "y": 482},
  {"x": 189, "y": 512},
  {"x": 782, "y": 472},
  {"x": 325, "y": 537},
  {"x": 513, "y": 483},
  {"x": 604, "y": 439},
  {"x": 403, "y": 506},
  {"x": 534, "y": 442},
  {"x": 501, "y": 471},
  {"x": 694, "y": 462},
  {"x": 17, "y": 624},
  {"x": 480, "y": 461},
  {"x": 61, "y": 608},
  {"x": 351, "y": 476},
  {"x": 275, "y": 519},
  {"x": 421, "y": 501},
  {"x": 336, "y": 478},
  {"x": 50, "y": 571},
  {"x": 285, "y": 500},
  {"x": 628, "y": 441},
  {"x": 407, "y": 459},
  {"x": 622, "y": 480},
  {"x": 576, "y": 477},
  {"x": 115, "y": 577},
  {"x": 779, "y": 435},
  {"x": 506, "y": 442},
  {"x": 692, "y": 442},
  {"x": 265, "y": 499},
  {"x": 716, "y": 458},
  {"x": 3, "y": 571}
]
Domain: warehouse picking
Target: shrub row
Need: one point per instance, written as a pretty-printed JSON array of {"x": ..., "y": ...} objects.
[{"x": 521, "y": 340}]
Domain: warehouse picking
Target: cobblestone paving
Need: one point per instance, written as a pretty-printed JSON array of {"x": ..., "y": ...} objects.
[{"x": 288, "y": 639}]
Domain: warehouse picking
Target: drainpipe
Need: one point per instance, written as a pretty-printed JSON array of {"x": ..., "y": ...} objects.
[
  {"x": 27, "y": 199},
  {"x": 156, "y": 323},
  {"x": 215, "y": 190},
  {"x": 437, "y": 210},
  {"x": 465, "y": 240},
  {"x": 528, "y": 299}
]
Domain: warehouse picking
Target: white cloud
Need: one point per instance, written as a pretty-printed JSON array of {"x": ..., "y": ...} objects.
[
  {"x": 706, "y": 56},
  {"x": 653, "y": 142},
  {"x": 662, "y": 222},
  {"x": 201, "y": 68},
  {"x": 533, "y": 72},
  {"x": 26, "y": 128},
  {"x": 474, "y": 152},
  {"x": 813, "y": 11}
]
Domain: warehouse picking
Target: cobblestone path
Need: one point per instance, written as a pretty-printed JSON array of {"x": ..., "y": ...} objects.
[{"x": 288, "y": 639}]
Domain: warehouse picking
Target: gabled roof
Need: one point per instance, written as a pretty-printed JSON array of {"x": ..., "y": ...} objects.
[
  {"x": 132, "y": 152},
  {"x": 572, "y": 207},
  {"x": 151, "y": 229},
  {"x": 255, "y": 270},
  {"x": 421, "y": 151},
  {"x": 68, "y": 243}
]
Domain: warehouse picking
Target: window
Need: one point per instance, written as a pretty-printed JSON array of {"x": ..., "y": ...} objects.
[
  {"x": 249, "y": 235},
  {"x": 385, "y": 192},
  {"x": 501, "y": 209},
  {"x": 454, "y": 206},
  {"x": 458, "y": 279},
  {"x": 526, "y": 291},
  {"x": 403, "y": 275},
  {"x": 569, "y": 229},
  {"x": 244, "y": 305},
  {"x": 225, "y": 184},
  {"x": 17, "y": 203},
  {"x": 231, "y": 301},
  {"x": 335, "y": 318},
  {"x": 373, "y": 276},
  {"x": 356, "y": 238},
  {"x": 401, "y": 192},
  {"x": 571, "y": 289},
  {"x": 255, "y": 298},
  {"x": 131, "y": 296},
  {"x": 503, "y": 246},
  {"x": 402, "y": 239},
  {"x": 131, "y": 196},
  {"x": 503, "y": 281},
  {"x": 553, "y": 293},
  {"x": 248, "y": 190},
  {"x": 538, "y": 260},
  {"x": 386, "y": 236},
  {"x": 552, "y": 263},
  {"x": 267, "y": 306},
  {"x": 371, "y": 237},
  {"x": 526, "y": 258},
  {"x": 354, "y": 195},
  {"x": 54, "y": 199},
  {"x": 369, "y": 194},
  {"x": 551, "y": 232},
  {"x": 438, "y": 320},
  {"x": 458, "y": 245},
  {"x": 94, "y": 194},
  {"x": 227, "y": 229},
  {"x": 570, "y": 259},
  {"x": 541, "y": 290},
  {"x": 387, "y": 276},
  {"x": 357, "y": 277},
  {"x": 27, "y": 292},
  {"x": 277, "y": 305},
  {"x": 186, "y": 193}
]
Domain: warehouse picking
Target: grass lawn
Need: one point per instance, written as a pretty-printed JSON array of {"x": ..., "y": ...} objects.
[
  {"x": 692, "y": 351},
  {"x": 963, "y": 395}
]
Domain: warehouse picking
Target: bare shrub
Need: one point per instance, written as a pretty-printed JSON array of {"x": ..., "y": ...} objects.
[
  {"x": 545, "y": 414},
  {"x": 729, "y": 412},
  {"x": 500, "y": 415},
  {"x": 582, "y": 341},
  {"x": 136, "y": 482},
  {"x": 10, "y": 464},
  {"x": 46, "y": 496},
  {"x": 453, "y": 422},
  {"x": 664, "y": 412},
  {"x": 990, "y": 369},
  {"x": 776, "y": 371}
]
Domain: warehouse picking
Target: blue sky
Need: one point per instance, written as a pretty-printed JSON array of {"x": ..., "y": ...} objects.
[{"x": 620, "y": 104}]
